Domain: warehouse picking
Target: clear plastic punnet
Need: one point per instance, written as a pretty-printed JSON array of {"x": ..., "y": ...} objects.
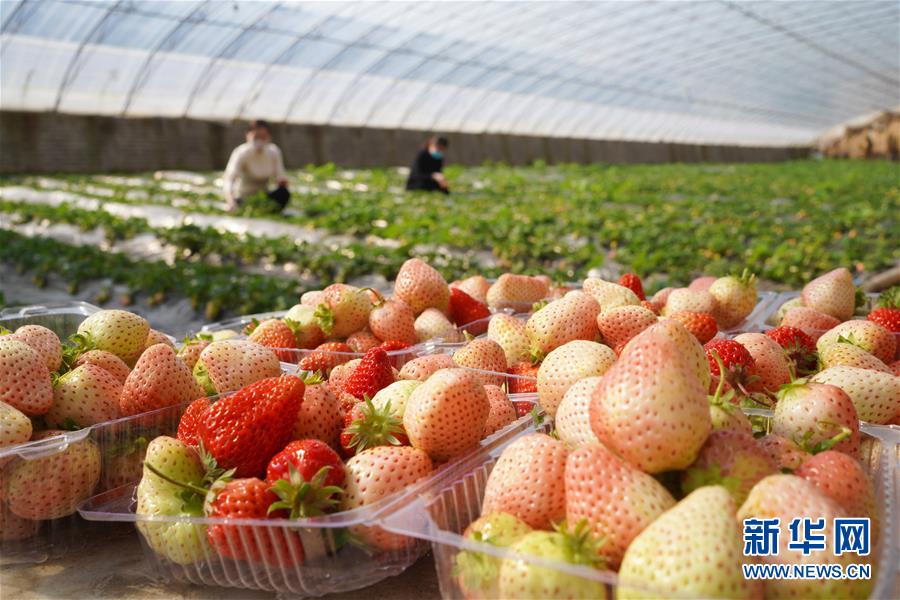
[
  {"x": 63, "y": 318},
  {"x": 339, "y": 552},
  {"x": 441, "y": 514}
]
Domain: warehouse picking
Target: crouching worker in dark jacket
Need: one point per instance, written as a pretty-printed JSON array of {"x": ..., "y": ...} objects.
[{"x": 426, "y": 171}]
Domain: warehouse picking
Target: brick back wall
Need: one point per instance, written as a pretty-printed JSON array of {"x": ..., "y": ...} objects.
[{"x": 32, "y": 142}]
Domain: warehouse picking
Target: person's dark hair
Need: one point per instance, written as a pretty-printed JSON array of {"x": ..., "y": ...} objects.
[
  {"x": 437, "y": 140},
  {"x": 259, "y": 124}
]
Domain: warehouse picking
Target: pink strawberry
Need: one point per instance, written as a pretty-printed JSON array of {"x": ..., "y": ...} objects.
[
  {"x": 303, "y": 322},
  {"x": 157, "y": 337},
  {"x": 812, "y": 322},
  {"x": 735, "y": 299},
  {"x": 51, "y": 486},
  {"x": 691, "y": 300},
  {"x": 566, "y": 365},
  {"x": 832, "y": 293},
  {"x": 849, "y": 355},
  {"x": 476, "y": 286},
  {"x": 731, "y": 459},
  {"x": 572, "y": 420},
  {"x": 24, "y": 378},
  {"x": 662, "y": 296},
  {"x": 772, "y": 365},
  {"x": 620, "y": 324},
  {"x": 44, "y": 341},
  {"x": 895, "y": 367},
  {"x": 502, "y": 411},
  {"x": 420, "y": 286},
  {"x": 344, "y": 309},
  {"x": 117, "y": 331},
  {"x": 599, "y": 487},
  {"x": 14, "y": 527},
  {"x": 339, "y": 376},
  {"x": 229, "y": 365},
  {"x": 701, "y": 283},
  {"x": 688, "y": 345},
  {"x": 377, "y": 473},
  {"x": 788, "y": 497},
  {"x": 485, "y": 355},
  {"x": 573, "y": 317},
  {"x": 874, "y": 394},
  {"x": 817, "y": 417},
  {"x": 651, "y": 407},
  {"x": 869, "y": 336},
  {"x": 694, "y": 548},
  {"x": 393, "y": 320},
  {"x": 446, "y": 415},
  {"x": 15, "y": 428},
  {"x": 518, "y": 292},
  {"x": 510, "y": 333},
  {"x": 423, "y": 367},
  {"x": 800, "y": 347},
  {"x": 432, "y": 324},
  {"x": 277, "y": 335},
  {"x": 786, "y": 454},
  {"x": 312, "y": 298},
  {"x": 320, "y": 414},
  {"x": 84, "y": 396},
  {"x": 188, "y": 353},
  {"x": 528, "y": 481},
  {"x": 159, "y": 379},
  {"x": 107, "y": 361},
  {"x": 841, "y": 478}
]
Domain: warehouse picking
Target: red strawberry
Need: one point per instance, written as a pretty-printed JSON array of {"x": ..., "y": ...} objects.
[
  {"x": 465, "y": 309},
  {"x": 423, "y": 367},
  {"x": 485, "y": 355},
  {"x": 740, "y": 368},
  {"x": 800, "y": 348},
  {"x": 599, "y": 487},
  {"x": 244, "y": 430},
  {"x": 229, "y": 365},
  {"x": 566, "y": 365},
  {"x": 344, "y": 309},
  {"x": 446, "y": 415},
  {"x": 24, "y": 378},
  {"x": 393, "y": 345},
  {"x": 363, "y": 341},
  {"x": 619, "y": 324},
  {"x": 518, "y": 292},
  {"x": 476, "y": 286},
  {"x": 377, "y": 473},
  {"x": 84, "y": 396},
  {"x": 44, "y": 341},
  {"x": 817, "y": 417},
  {"x": 190, "y": 421},
  {"x": 702, "y": 325},
  {"x": 841, "y": 478},
  {"x": 651, "y": 407},
  {"x": 307, "y": 477},
  {"x": 250, "y": 498},
  {"x": 367, "y": 426},
  {"x": 326, "y": 357},
  {"x": 277, "y": 335},
  {"x": 502, "y": 411},
  {"x": 393, "y": 320},
  {"x": 320, "y": 415},
  {"x": 887, "y": 317},
  {"x": 159, "y": 379},
  {"x": 652, "y": 306},
  {"x": 633, "y": 283},
  {"x": 421, "y": 286},
  {"x": 524, "y": 380},
  {"x": 523, "y": 407},
  {"x": 108, "y": 361},
  {"x": 528, "y": 481},
  {"x": 373, "y": 373},
  {"x": 832, "y": 293}
]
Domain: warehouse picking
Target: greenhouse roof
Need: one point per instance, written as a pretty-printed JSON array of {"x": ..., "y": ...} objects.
[{"x": 714, "y": 72}]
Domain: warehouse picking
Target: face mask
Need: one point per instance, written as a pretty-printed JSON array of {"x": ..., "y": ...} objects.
[
  {"x": 258, "y": 145},
  {"x": 437, "y": 155}
]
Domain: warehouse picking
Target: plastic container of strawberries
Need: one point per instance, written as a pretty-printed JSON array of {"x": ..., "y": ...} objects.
[
  {"x": 295, "y": 355},
  {"x": 63, "y": 319},
  {"x": 341, "y": 552},
  {"x": 441, "y": 513}
]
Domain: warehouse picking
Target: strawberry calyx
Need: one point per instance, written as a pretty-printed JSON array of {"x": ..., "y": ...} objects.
[
  {"x": 375, "y": 427},
  {"x": 890, "y": 298},
  {"x": 251, "y": 326},
  {"x": 310, "y": 377},
  {"x": 324, "y": 317},
  {"x": 303, "y": 499},
  {"x": 697, "y": 477},
  {"x": 826, "y": 444},
  {"x": 75, "y": 346},
  {"x": 4, "y": 330},
  {"x": 201, "y": 374},
  {"x": 859, "y": 298},
  {"x": 582, "y": 547},
  {"x": 379, "y": 297},
  {"x": 540, "y": 304}
]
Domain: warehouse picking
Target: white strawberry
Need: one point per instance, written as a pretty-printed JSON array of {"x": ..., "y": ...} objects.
[{"x": 566, "y": 365}]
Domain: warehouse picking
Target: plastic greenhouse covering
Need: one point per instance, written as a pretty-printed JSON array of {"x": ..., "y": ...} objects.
[{"x": 714, "y": 72}]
